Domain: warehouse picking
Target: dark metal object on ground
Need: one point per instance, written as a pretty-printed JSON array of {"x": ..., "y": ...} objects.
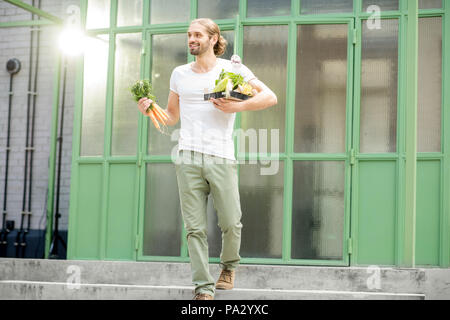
[
  {"x": 13, "y": 67},
  {"x": 54, "y": 247}
]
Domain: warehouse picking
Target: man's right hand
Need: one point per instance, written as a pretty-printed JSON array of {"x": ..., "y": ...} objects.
[
  {"x": 173, "y": 108},
  {"x": 144, "y": 104}
]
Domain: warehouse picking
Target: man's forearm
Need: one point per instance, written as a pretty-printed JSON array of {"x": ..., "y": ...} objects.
[
  {"x": 173, "y": 118},
  {"x": 172, "y": 110},
  {"x": 262, "y": 100}
]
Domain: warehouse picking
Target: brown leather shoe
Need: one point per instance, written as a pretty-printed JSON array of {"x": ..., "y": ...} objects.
[
  {"x": 226, "y": 280},
  {"x": 203, "y": 296}
]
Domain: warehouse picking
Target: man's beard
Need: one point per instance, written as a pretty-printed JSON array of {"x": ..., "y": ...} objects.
[{"x": 198, "y": 50}]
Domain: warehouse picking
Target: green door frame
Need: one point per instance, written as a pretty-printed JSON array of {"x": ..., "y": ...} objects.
[
  {"x": 408, "y": 258},
  {"x": 445, "y": 211},
  {"x": 405, "y": 220}
]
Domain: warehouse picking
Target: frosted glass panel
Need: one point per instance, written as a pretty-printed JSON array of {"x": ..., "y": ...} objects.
[
  {"x": 265, "y": 53},
  {"x": 98, "y": 14},
  {"x": 379, "y": 87},
  {"x": 129, "y": 13},
  {"x": 94, "y": 95},
  {"x": 320, "y": 110},
  {"x": 262, "y": 8},
  {"x": 218, "y": 9},
  {"x": 318, "y": 210},
  {"x": 430, "y": 4},
  {"x": 125, "y": 115},
  {"x": 384, "y": 5},
  {"x": 162, "y": 220},
  {"x": 229, "y": 36},
  {"x": 163, "y": 11},
  {"x": 430, "y": 85},
  {"x": 262, "y": 211},
  {"x": 326, "y": 6},
  {"x": 168, "y": 52}
]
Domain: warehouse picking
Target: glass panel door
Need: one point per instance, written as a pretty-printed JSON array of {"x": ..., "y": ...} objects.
[
  {"x": 161, "y": 226},
  {"x": 378, "y": 143},
  {"x": 322, "y": 132},
  {"x": 262, "y": 195},
  {"x": 161, "y": 223},
  {"x": 295, "y": 198}
]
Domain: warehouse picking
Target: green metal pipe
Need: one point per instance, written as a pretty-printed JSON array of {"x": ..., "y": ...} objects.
[
  {"x": 289, "y": 144},
  {"x": 194, "y": 10},
  {"x": 295, "y": 8},
  {"x": 108, "y": 131},
  {"x": 411, "y": 135},
  {"x": 401, "y": 138},
  {"x": 52, "y": 159},
  {"x": 35, "y": 11},
  {"x": 236, "y": 34},
  {"x": 445, "y": 250},
  {"x": 29, "y": 23}
]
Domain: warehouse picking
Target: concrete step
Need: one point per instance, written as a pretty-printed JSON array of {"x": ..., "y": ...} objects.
[
  {"x": 434, "y": 283},
  {"x": 28, "y": 290}
]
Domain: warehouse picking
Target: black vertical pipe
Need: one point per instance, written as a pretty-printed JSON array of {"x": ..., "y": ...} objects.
[
  {"x": 33, "y": 117},
  {"x": 20, "y": 238},
  {"x": 56, "y": 236},
  {"x": 4, "y": 232},
  {"x": 25, "y": 173},
  {"x": 8, "y": 142}
]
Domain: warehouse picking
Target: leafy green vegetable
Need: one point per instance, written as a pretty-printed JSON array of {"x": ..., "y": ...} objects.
[
  {"x": 221, "y": 85},
  {"x": 237, "y": 80},
  {"x": 142, "y": 89}
]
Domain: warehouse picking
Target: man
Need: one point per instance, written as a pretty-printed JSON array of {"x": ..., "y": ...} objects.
[{"x": 206, "y": 141}]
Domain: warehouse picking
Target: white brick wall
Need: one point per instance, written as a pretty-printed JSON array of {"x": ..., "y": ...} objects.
[{"x": 15, "y": 43}]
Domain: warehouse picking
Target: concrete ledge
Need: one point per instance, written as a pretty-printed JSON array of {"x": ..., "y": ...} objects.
[
  {"x": 434, "y": 283},
  {"x": 27, "y": 290}
]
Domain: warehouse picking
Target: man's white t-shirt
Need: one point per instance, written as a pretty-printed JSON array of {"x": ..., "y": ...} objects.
[{"x": 204, "y": 128}]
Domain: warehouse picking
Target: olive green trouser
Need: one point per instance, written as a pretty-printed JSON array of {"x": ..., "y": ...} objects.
[{"x": 198, "y": 175}]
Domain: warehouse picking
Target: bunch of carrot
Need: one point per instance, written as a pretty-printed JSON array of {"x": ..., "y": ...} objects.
[
  {"x": 157, "y": 115},
  {"x": 143, "y": 89}
]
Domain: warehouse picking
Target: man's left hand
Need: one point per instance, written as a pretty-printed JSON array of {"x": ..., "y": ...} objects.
[{"x": 227, "y": 106}]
